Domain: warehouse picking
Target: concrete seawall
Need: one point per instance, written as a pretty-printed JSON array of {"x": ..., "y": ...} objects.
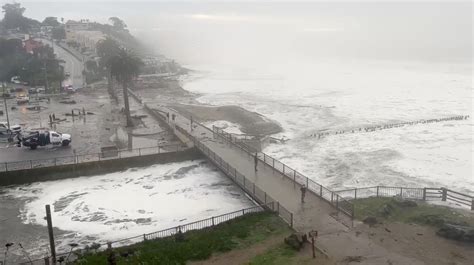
[{"x": 25, "y": 176}]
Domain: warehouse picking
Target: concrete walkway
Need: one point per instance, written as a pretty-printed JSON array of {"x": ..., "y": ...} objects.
[{"x": 335, "y": 239}]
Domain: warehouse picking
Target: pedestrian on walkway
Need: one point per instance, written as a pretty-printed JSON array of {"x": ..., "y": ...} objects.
[
  {"x": 303, "y": 193},
  {"x": 255, "y": 158}
]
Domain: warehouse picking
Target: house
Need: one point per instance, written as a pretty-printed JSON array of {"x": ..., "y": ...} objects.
[{"x": 30, "y": 45}]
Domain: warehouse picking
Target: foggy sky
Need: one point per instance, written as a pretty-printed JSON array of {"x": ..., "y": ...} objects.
[{"x": 203, "y": 32}]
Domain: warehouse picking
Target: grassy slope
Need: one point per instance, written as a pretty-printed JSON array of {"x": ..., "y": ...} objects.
[
  {"x": 198, "y": 245},
  {"x": 423, "y": 213}
]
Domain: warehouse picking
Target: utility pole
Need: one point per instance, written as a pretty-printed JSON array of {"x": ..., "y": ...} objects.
[
  {"x": 6, "y": 107},
  {"x": 45, "y": 77},
  {"x": 50, "y": 233}
]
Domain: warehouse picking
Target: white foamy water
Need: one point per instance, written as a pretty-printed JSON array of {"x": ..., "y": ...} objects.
[
  {"x": 130, "y": 203},
  {"x": 336, "y": 95},
  {"x": 226, "y": 125}
]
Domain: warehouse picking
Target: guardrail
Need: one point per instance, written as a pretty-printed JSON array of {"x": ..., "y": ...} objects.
[
  {"x": 83, "y": 158},
  {"x": 248, "y": 186},
  {"x": 333, "y": 198},
  {"x": 424, "y": 194},
  {"x": 197, "y": 225}
]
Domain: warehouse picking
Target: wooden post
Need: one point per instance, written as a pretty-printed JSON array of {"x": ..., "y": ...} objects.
[
  {"x": 212, "y": 221},
  {"x": 401, "y": 192},
  {"x": 291, "y": 220},
  {"x": 444, "y": 195},
  {"x": 355, "y": 194},
  {"x": 377, "y": 191},
  {"x": 424, "y": 194},
  {"x": 50, "y": 233}
]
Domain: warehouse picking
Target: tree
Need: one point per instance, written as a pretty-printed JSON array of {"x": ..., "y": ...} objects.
[
  {"x": 51, "y": 21},
  {"x": 107, "y": 49},
  {"x": 117, "y": 23},
  {"x": 124, "y": 67},
  {"x": 14, "y": 18},
  {"x": 58, "y": 33}
]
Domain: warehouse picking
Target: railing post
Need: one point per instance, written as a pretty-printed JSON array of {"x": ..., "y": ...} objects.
[
  {"x": 265, "y": 201},
  {"x": 273, "y": 163},
  {"x": 278, "y": 207},
  {"x": 444, "y": 195},
  {"x": 144, "y": 237},
  {"x": 31, "y": 164},
  {"x": 332, "y": 197},
  {"x": 291, "y": 220},
  {"x": 294, "y": 176},
  {"x": 253, "y": 189},
  {"x": 320, "y": 190},
  {"x": 377, "y": 191},
  {"x": 307, "y": 182},
  {"x": 424, "y": 194},
  {"x": 337, "y": 201},
  {"x": 355, "y": 194},
  {"x": 401, "y": 192},
  {"x": 284, "y": 169},
  {"x": 212, "y": 221},
  {"x": 472, "y": 204}
]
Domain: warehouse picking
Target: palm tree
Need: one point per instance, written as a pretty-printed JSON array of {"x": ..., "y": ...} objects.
[
  {"x": 124, "y": 67},
  {"x": 107, "y": 49}
]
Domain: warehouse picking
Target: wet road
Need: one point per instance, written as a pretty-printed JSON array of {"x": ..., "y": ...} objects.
[{"x": 72, "y": 65}]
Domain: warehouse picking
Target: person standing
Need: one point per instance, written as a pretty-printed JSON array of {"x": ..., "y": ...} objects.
[
  {"x": 303, "y": 193},
  {"x": 255, "y": 158}
]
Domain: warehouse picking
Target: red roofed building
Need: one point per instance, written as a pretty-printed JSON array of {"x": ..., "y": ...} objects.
[{"x": 30, "y": 45}]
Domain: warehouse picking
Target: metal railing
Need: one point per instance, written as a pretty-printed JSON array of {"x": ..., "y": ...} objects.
[
  {"x": 248, "y": 186},
  {"x": 424, "y": 194},
  {"x": 197, "y": 225},
  {"x": 92, "y": 157},
  {"x": 333, "y": 198}
]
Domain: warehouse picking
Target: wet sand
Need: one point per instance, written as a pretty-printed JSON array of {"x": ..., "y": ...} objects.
[
  {"x": 251, "y": 122},
  {"x": 159, "y": 91}
]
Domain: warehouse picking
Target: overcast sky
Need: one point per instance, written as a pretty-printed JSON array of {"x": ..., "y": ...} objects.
[{"x": 202, "y": 31}]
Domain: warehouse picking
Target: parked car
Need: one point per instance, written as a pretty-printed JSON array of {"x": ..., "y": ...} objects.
[
  {"x": 4, "y": 128},
  {"x": 22, "y": 99}
]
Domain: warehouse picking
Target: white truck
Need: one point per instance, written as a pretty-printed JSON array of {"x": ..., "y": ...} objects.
[{"x": 42, "y": 138}]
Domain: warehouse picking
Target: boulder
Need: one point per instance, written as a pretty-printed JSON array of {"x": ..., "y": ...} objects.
[
  {"x": 457, "y": 232},
  {"x": 295, "y": 241},
  {"x": 370, "y": 220}
]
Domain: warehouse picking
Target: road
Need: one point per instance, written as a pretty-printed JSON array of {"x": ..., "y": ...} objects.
[{"x": 72, "y": 65}]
